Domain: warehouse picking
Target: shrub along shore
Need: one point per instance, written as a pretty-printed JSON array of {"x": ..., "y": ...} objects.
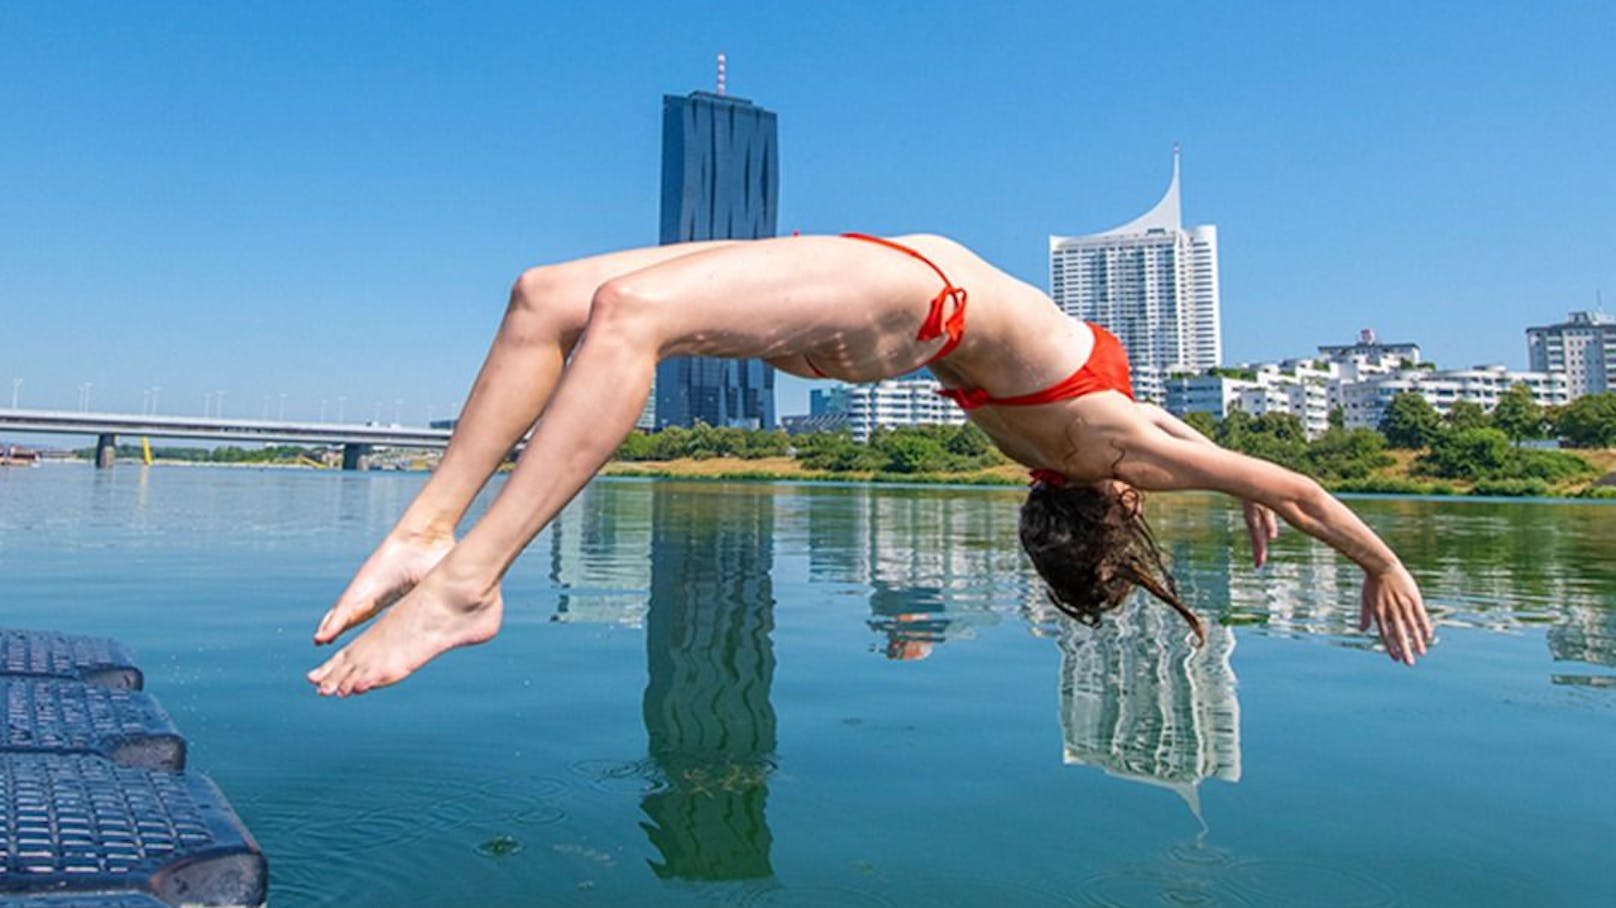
[{"x": 1416, "y": 451}]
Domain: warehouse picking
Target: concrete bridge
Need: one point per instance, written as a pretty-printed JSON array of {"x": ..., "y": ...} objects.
[{"x": 356, "y": 440}]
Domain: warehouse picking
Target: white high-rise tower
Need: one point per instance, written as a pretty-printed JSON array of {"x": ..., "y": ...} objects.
[{"x": 1151, "y": 283}]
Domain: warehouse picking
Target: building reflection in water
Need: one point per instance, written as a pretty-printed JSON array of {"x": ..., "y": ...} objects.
[
  {"x": 1139, "y": 700},
  {"x": 708, "y": 717},
  {"x": 934, "y": 570},
  {"x": 600, "y": 554},
  {"x": 1495, "y": 566}
]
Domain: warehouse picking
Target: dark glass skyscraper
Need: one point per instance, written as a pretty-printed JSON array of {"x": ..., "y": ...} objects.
[{"x": 720, "y": 180}]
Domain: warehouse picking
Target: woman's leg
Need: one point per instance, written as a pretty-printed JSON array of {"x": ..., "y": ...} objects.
[
  {"x": 547, "y": 311},
  {"x": 769, "y": 298}
]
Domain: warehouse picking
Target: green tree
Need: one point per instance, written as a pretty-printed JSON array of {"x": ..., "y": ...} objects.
[
  {"x": 1467, "y": 414},
  {"x": 835, "y": 451},
  {"x": 1338, "y": 418},
  {"x": 1279, "y": 438},
  {"x": 637, "y": 446},
  {"x": 1410, "y": 422},
  {"x": 970, "y": 442},
  {"x": 1340, "y": 454},
  {"x": 1518, "y": 414},
  {"x": 911, "y": 452},
  {"x": 1471, "y": 454},
  {"x": 1234, "y": 428},
  {"x": 1204, "y": 423},
  {"x": 1589, "y": 421},
  {"x": 758, "y": 444}
]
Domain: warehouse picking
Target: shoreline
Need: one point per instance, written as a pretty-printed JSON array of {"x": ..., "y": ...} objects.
[
  {"x": 1395, "y": 480},
  {"x": 1392, "y": 481}
]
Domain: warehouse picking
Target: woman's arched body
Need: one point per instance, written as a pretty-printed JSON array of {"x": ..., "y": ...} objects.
[{"x": 811, "y": 306}]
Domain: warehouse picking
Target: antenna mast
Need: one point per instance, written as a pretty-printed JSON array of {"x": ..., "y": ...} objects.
[{"x": 720, "y": 75}]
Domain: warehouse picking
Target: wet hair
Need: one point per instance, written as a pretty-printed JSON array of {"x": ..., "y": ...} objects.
[{"x": 1092, "y": 547}]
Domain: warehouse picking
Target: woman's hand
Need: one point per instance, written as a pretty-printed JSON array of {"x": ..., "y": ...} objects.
[
  {"x": 1263, "y": 526},
  {"x": 1392, "y": 598}
]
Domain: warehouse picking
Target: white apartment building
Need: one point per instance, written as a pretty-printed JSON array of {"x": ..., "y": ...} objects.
[
  {"x": 1583, "y": 348},
  {"x": 1362, "y": 361},
  {"x": 1364, "y": 403},
  {"x": 1150, "y": 282},
  {"x": 1307, "y": 400},
  {"x": 898, "y": 402},
  {"x": 1298, "y": 387},
  {"x": 1371, "y": 351}
]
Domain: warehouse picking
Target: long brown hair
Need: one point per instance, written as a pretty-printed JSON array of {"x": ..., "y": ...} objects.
[{"x": 1092, "y": 546}]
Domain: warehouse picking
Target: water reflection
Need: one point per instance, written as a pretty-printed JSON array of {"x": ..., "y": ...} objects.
[
  {"x": 1498, "y": 566},
  {"x": 1139, "y": 700},
  {"x": 935, "y": 568},
  {"x": 600, "y": 554},
  {"x": 708, "y": 717}
]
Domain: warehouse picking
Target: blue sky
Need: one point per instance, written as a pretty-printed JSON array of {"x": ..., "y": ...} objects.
[{"x": 330, "y": 199}]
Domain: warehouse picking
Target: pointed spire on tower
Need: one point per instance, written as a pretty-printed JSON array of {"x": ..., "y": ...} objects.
[
  {"x": 1166, "y": 215},
  {"x": 720, "y": 75}
]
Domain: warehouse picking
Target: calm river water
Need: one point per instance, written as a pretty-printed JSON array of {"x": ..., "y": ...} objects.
[{"x": 800, "y": 695}]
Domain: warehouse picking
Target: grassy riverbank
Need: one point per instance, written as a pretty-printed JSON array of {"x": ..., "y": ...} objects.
[
  {"x": 1396, "y": 478},
  {"x": 788, "y": 468}
]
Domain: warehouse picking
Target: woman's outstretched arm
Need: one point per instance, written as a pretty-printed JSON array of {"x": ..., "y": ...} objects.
[
  {"x": 1260, "y": 521},
  {"x": 1155, "y": 460}
]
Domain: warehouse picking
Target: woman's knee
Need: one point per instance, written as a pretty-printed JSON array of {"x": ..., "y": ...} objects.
[
  {"x": 624, "y": 306},
  {"x": 546, "y": 303}
]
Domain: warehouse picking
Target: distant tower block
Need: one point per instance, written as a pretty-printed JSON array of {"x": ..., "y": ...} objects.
[
  {"x": 720, "y": 181},
  {"x": 1151, "y": 282}
]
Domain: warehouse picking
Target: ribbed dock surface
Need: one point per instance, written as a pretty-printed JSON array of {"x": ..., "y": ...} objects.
[
  {"x": 45, "y": 654},
  {"x": 125, "y": 726},
  {"x": 95, "y": 806},
  {"x": 83, "y": 900}
]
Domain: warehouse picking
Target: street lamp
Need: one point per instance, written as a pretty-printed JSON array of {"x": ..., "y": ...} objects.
[
  {"x": 221, "y": 403},
  {"x": 155, "y": 390},
  {"x": 16, "y": 388},
  {"x": 282, "y": 415},
  {"x": 342, "y": 403},
  {"x": 84, "y": 396}
]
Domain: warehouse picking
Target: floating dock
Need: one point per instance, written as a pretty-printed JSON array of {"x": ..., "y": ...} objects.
[{"x": 98, "y": 807}]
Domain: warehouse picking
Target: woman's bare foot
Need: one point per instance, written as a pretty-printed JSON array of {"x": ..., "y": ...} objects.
[
  {"x": 397, "y": 565},
  {"x": 435, "y": 617}
]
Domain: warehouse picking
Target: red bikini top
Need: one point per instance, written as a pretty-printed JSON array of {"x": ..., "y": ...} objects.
[
  {"x": 1106, "y": 370},
  {"x": 935, "y": 325}
]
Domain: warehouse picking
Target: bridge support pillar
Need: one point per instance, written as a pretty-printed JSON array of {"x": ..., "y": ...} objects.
[
  {"x": 106, "y": 450},
  {"x": 353, "y": 456}
]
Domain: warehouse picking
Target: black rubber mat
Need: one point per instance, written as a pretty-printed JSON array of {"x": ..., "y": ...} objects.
[
  {"x": 82, "y": 824},
  {"x": 125, "y": 726},
  {"x": 47, "y": 654}
]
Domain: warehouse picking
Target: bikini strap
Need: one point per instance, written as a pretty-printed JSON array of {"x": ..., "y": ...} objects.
[
  {"x": 935, "y": 325},
  {"x": 967, "y": 398}
]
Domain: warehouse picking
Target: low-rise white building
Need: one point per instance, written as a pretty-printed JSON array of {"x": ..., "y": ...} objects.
[
  {"x": 1298, "y": 387},
  {"x": 911, "y": 401},
  {"x": 1364, "y": 402}
]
